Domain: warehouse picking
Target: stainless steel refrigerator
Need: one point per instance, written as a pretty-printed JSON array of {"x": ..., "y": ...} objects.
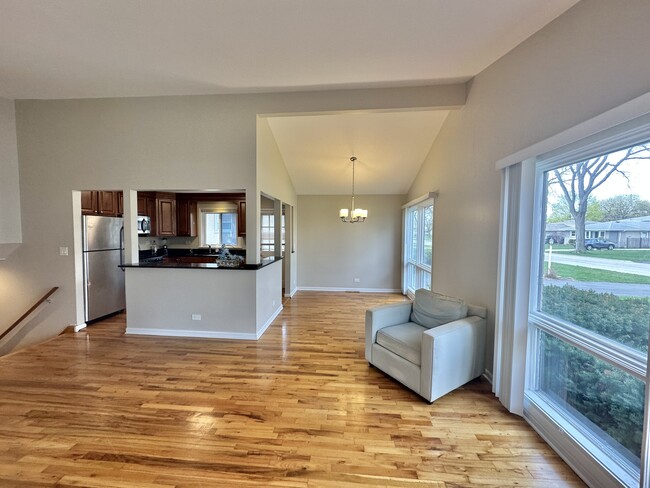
[{"x": 103, "y": 252}]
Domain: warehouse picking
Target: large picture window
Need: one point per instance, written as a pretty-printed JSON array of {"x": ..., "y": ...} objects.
[
  {"x": 418, "y": 246},
  {"x": 590, "y": 304}
]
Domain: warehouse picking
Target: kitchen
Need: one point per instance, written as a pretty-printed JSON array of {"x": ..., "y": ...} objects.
[{"x": 189, "y": 231}]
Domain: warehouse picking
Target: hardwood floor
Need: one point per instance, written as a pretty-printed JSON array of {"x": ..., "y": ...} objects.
[{"x": 299, "y": 408}]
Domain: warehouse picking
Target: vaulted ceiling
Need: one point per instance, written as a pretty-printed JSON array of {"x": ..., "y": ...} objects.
[{"x": 122, "y": 48}]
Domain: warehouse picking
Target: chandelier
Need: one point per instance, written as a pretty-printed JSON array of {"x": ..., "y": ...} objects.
[{"x": 353, "y": 215}]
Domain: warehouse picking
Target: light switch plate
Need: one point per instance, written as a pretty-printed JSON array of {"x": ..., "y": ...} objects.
[{"x": 63, "y": 251}]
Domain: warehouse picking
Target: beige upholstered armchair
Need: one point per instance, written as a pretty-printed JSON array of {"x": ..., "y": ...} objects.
[{"x": 432, "y": 346}]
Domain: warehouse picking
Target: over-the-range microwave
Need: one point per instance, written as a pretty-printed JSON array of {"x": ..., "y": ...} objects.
[{"x": 144, "y": 225}]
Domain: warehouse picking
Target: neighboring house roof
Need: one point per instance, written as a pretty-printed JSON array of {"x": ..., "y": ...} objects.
[
  {"x": 632, "y": 224},
  {"x": 564, "y": 226}
]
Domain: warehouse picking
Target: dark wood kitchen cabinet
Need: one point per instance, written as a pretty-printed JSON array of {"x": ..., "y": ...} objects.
[
  {"x": 186, "y": 215},
  {"x": 102, "y": 202},
  {"x": 107, "y": 203},
  {"x": 241, "y": 218},
  {"x": 166, "y": 214},
  {"x": 88, "y": 202}
]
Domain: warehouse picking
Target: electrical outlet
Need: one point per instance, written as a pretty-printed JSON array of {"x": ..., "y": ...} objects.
[
  {"x": 357, "y": 280},
  {"x": 274, "y": 303},
  {"x": 196, "y": 316},
  {"x": 63, "y": 251}
]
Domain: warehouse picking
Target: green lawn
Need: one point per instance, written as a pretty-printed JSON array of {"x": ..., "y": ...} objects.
[
  {"x": 580, "y": 273},
  {"x": 636, "y": 255}
]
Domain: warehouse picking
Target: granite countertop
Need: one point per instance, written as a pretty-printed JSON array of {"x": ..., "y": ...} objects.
[{"x": 161, "y": 265}]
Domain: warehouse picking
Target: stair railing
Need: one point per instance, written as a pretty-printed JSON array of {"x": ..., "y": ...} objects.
[{"x": 45, "y": 298}]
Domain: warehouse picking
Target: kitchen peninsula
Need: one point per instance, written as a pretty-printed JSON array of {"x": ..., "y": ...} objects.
[
  {"x": 203, "y": 299},
  {"x": 185, "y": 292}
]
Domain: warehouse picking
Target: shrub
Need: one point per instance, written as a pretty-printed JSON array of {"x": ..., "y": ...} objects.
[{"x": 608, "y": 397}]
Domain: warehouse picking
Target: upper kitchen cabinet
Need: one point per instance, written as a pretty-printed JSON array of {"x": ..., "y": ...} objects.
[
  {"x": 107, "y": 203},
  {"x": 101, "y": 202},
  {"x": 88, "y": 202},
  {"x": 186, "y": 215},
  {"x": 146, "y": 204},
  {"x": 166, "y": 214}
]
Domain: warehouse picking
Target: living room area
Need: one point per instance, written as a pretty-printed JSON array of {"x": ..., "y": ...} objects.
[{"x": 457, "y": 133}]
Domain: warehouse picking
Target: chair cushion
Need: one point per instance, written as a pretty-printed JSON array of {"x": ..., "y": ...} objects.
[
  {"x": 432, "y": 309},
  {"x": 405, "y": 340}
]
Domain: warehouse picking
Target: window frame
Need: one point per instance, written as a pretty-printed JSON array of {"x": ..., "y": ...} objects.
[
  {"x": 213, "y": 208},
  {"x": 415, "y": 264},
  {"x": 554, "y": 423}
]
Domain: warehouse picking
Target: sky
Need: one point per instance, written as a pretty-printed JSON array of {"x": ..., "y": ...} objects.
[{"x": 637, "y": 183}]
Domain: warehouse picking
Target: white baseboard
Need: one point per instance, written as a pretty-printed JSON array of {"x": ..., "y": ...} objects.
[
  {"x": 79, "y": 327},
  {"x": 208, "y": 334},
  {"x": 360, "y": 290},
  {"x": 269, "y": 322},
  {"x": 291, "y": 293}
]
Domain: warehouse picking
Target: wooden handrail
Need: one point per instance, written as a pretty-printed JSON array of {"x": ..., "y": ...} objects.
[{"x": 26, "y": 314}]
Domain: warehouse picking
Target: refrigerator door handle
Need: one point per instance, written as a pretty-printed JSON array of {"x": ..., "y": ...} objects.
[{"x": 121, "y": 248}]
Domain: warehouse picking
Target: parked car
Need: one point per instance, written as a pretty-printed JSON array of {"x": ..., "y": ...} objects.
[
  {"x": 554, "y": 239},
  {"x": 598, "y": 244}
]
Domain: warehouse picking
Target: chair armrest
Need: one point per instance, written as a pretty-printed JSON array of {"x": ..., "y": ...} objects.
[
  {"x": 384, "y": 316},
  {"x": 452, "y": 355}
]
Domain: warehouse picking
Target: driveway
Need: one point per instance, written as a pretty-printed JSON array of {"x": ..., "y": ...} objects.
[
  {"x": 620, "y": 289},
  {"x": 642, "y": 269}
]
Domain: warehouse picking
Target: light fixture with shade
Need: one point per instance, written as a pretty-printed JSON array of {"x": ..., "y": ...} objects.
[{"x": 353, "y": 215}]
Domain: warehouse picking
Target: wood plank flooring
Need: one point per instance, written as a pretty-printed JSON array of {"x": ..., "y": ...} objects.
[{"x": 300, "y": 408}]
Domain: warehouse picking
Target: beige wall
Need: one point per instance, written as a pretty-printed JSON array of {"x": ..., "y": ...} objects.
[
  {"x": 582, "y": 64},
  {"x": 332, "y": 254},
  {"x": 174, "y": 143},
  {"x": 10, "y": 228}
]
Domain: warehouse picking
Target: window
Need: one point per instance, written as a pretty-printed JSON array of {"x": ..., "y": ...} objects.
[
  {"x": 418, "y": 246},
  {"x": 218, "y": 224},
  {"x": 590, "y": 314},
  {"x": 267, "y": 243}
]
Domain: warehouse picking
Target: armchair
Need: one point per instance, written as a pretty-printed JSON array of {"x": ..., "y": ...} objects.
[{"x": 432, "y": 346}]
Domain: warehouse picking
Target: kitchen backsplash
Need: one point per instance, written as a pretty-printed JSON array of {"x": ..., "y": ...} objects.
[{"x": 144, "y": 243}]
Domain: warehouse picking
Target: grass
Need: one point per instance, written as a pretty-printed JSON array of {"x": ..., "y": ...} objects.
[
  {"x": 635, "y": 255},
  {"x": 581, "y": 273}
]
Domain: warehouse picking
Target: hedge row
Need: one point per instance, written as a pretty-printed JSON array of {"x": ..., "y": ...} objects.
[{"x": 608, "y": 397}]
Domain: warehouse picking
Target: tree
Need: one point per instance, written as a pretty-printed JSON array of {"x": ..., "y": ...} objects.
[
  {"x": 559, "y": 211},
  {"x": 624, "y": 207},
  {"x": 578, "y": 181}
]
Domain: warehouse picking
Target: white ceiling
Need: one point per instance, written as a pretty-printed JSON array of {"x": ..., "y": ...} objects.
[
  {"x": 389, "y": 147},
  {"x": 52, "y": 49},
  {"x": 121, "y": 48}
]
